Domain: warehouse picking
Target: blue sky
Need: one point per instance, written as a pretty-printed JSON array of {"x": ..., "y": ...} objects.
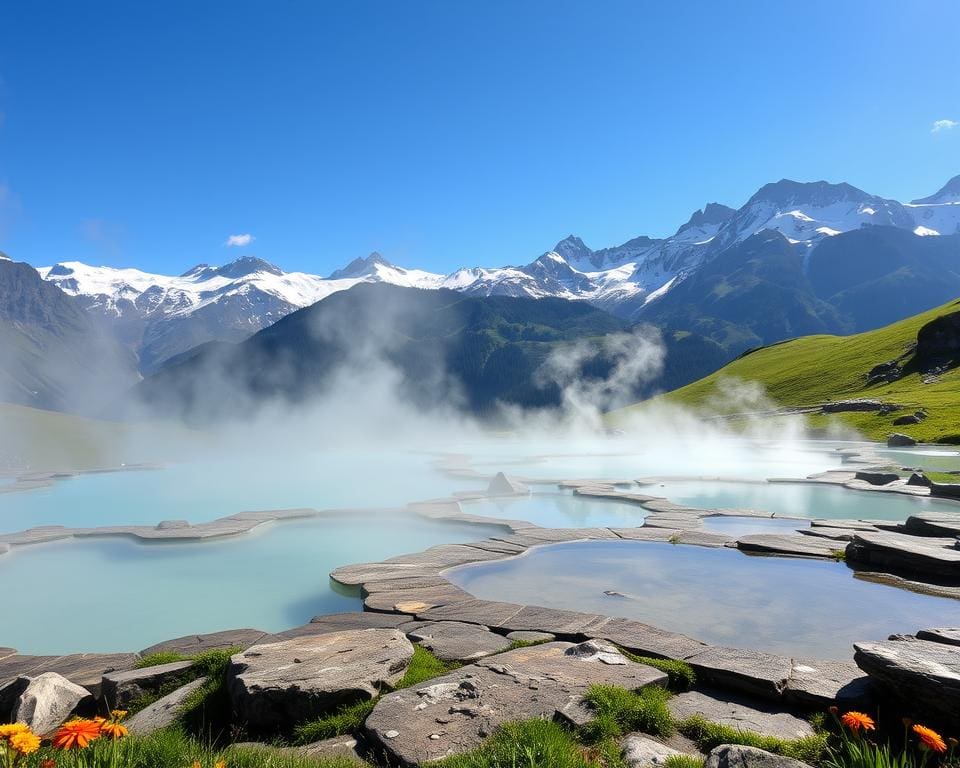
[{"x": 446, "y": 133}]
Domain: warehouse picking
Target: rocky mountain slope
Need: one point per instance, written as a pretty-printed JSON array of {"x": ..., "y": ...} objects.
[
  {"x": 52, "y": 353},
  {"x": 471, "y": 352},
  {"x": 896, "y": 258}
]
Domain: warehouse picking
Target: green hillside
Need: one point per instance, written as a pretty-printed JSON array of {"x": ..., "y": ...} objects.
[{"x": 817, "y": 369}]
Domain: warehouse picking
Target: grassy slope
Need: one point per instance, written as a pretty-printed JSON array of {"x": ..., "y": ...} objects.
[{"x": 816, "y": 369}]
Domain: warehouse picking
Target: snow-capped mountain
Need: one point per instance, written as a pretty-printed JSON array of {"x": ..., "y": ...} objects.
[{"x": 160, "y": 316}]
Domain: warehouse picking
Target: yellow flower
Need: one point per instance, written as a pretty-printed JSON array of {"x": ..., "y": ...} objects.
[
  {"x": 113, "y": 729},
  {"x": 6, "y": 731},
  {"x": 118, "y": 714},
  {"x": 220, "y": 764},
  {"x": 25, "y": 742}
]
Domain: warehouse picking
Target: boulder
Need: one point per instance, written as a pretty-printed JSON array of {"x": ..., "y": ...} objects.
[
  {"x": 899, "y": 440},
  {"x": 457, "y": 641},
  {"x": 918, "y": 478},
  {"x": 640, "y": 751},
  {"x": 120, "y": 689},
  {"x": 162, "y": 712},
  {"x": 741, "y": 712},
  {"x": 736, "y": 756},
  {"x": 939, "y": 340},
  {"x": 501, "y": 485},
  {"x": 877, "y": 478},
  {"x": 293, "y": 680},
  {"x": 46, "y": 701},
  {"x": 910, "y": 418},
  {"x": 922, "y": 673},
  {"x": 454, "y": 713}
]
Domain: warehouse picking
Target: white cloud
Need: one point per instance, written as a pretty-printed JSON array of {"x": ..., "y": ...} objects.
[
  {"x": 240, "y": 240},
  {"x": 943, "y": 125}
]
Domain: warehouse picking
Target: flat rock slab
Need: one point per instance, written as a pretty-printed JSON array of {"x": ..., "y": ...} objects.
[
  {"x": 190, "y": 645},
  {"x": 924, "y": 673},
  {"x": 121, "y": 689},
  {"x": 820, "y": 684},
  {"x": 918, "y": 554},
  {"x": 647, "y": 640},
  {"x": 162, "y": 712},
  {"x": 490, "y": 613},
  {"x": 338, "y": 622},
  {"x": 789, "y": 544},
  {"x": 947, "y": 635},
  {"x": 454, "y": 713},
  {"x": 457, "y": 641},
  {"x": 84, "y": 669},
  {"x": 294, "y": 680},
  {"x": 640, "y": 751},
  {"x": 740, "y": 712},
  {"x": 736, "y": 756},
  {"x": 752, "y": 672}
]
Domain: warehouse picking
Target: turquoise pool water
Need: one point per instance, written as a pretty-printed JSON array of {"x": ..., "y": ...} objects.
[
  {"x": 781, "y": 605},
  {"x": 930, "y": 458},
  {"x": 116, "y": 594},
  {"x": 745, "y": 526},
  {"x": 797, "y": 499},
  {"x": 201, "y": 491},
  {"x": 561, "y": 510}
]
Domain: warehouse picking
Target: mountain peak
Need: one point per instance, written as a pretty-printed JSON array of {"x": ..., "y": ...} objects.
[
  {"x": 360, "y": 266},
  {"x": 788, "y": 192},
  {"x": 711, "y": 215},
  {"x": 948, "y": 193},
  {"x": 247, "y": 265}
]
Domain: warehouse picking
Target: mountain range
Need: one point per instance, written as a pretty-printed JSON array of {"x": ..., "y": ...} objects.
[
  {"x": 713, "y": 275},
  {"x": 796, "y": 258}
]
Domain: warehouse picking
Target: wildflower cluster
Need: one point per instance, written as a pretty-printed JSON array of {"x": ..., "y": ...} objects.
[
  {"x": 16, "y": 742},
  {"x": 856, "y": 748}
]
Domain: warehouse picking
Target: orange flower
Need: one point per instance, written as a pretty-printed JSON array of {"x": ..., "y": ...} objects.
[
  {"x": 48, "y": 763},
  {"x": 76, "y": 734},
  {"x": 25, "y": 742},
  {"x": 113, "y": 729},
  {"x": 856, "y": 721},
  {"x": 929, "y": 738}
]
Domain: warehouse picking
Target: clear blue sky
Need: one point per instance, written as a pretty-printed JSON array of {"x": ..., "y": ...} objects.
[{"x": 446, "y": 133}]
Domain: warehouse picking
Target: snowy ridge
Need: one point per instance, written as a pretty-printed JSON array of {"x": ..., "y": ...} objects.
[{"x": 229, "y": 302}]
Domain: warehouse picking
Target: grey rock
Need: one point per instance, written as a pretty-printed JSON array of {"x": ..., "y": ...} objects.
[
  {"x": 190, "y": 645},
  {"x": 338, "y": 748},
  {"x": 947, "y": 635},
  {"x": 736, "y": 756},
  {"x": 740, "y": 712},
  {"x": 788, "y": 544},
  {"x": 120, "y": 689},
  {"x": 501, "y": 485},
  {"x": 490, "y": 613},
  {"x": 641, "y": 751},
  {"x": 918, "y": 478},
  {"x": 899, "y": 440},
  {"x": 162, "y": 712},
  {"x": 530, "y": 636},
  {"x": 946, "y": 490},
  {"x": 295, "y": 680},
  {"x": 923, "y": 673},
  {"x": 46, "y": 701},
  {"x": 337, "y": 622},
  {"x": 916, "y": 554},
  {"x": 751, "y": 672},
  {"x": 454, "y": 713},
  {"x": 646, "y": 640},
  {"x": 910, "y": 418},
  {"x": 457, "y": 641},
  {"x": 878, "y": 478},
  {"x": 818, "y": 683}
]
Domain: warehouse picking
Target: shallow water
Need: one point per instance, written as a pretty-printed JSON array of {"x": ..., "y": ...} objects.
[
  {"x": 560, "y": 510},
  {"x": 797, "y": 499},
  {"x": 202, "y": 491},
  {"x": 931, "y": 459},
  {"x": 115, "y": 594},
  {"x": 781, "y": 605},
  {"x": 746, "y": 526}
]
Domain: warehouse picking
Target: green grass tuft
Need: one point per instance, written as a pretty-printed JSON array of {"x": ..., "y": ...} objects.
[
  {"x": 707, "y": 735},
  {"x": 683, "y": 761},
  {"x": 424, "y": 666},
  {"x": 527, "y": 744},
  {"x": 620, "y": 711},
  {"x": 161, "y": 657},
  {"x": 681, "y": 675}
]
